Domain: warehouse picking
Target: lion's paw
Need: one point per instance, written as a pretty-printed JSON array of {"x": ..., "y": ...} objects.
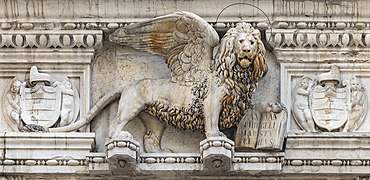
[{"x": 121, "y": 135}]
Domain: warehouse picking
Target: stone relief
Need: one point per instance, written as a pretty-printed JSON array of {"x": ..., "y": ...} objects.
[
  {"x": 301, "y": 110},
  {"x": 40, "y": 102},
  {"x": 302, "y": 41},
  {"x": 262, "y": 128},
  {"x": 204, "y": 92},
  {"x": 329, "y": 104}
]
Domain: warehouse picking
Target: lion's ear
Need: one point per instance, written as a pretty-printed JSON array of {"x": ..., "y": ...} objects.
[
  {"x": 256, "y": 33},
  {"x": 261, "y": 46}
]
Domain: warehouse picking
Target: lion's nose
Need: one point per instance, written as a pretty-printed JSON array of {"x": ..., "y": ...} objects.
[{"x": 246, "y": 49}]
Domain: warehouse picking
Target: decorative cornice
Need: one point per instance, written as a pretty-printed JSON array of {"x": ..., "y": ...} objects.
[
  {"x": 168, "y": 158},
  {"x": 106, "y": 26},
  {"x": 312, "y": 38},
  {"x": 315, "y": 45},
  {"x": 327, "y": 162},
  {"x": 50, "y": 39},
  {"x": 60, "y": 25},
  {"x": 277, "y": 157},
  {"x": 44, "y": 162},
  {"x": 96, "y": 158},
  {"x": 321, "y": 25}
]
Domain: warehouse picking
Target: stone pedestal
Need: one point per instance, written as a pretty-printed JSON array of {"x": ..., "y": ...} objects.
[
  {"x": 122, "y": 155},
  {"x": 329, "y": 152},
  {"x": 217, "y": 153}
]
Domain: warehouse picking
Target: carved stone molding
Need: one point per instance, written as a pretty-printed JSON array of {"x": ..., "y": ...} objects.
[
  {"x": 98, "y": 163},
  {"x": 327, "y": 162},
  {"x": 50, "y": 39},
  {"x": 49, "y": 46},
  {"x": 164, "y": 158},
  {"x": 329, "y": 152},
  {"x": 45, "y": 152},
  {"x": 273, "y": 162},
  {"x": 62, "y": 26},
  {"x": 105, "y": 26},
  {"x": 320, "y": 45},
  {"x": 321, "y": 25},
  {"x": 168, "y": 161}
]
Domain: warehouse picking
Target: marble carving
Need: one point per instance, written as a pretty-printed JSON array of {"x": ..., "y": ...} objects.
[
  {"x": 205, "y": 92},
  {"x": 328, "y": 103},
  {"x": 262, "y": 128},
  {"x": 68, "y": 42},
  {"x": 40, "y": 102}
]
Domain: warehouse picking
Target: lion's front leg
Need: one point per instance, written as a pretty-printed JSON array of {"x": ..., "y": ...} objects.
[{"x": 212, "y": 109}]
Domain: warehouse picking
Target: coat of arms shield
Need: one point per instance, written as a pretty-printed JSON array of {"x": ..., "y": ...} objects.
[
  {"x": 41, "y": 105},
  {"x": 330, "y": 106}
]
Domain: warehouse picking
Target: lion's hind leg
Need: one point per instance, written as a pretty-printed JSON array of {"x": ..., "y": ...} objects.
[
  {"x": 154, "y": 131},
  {"x": 132, "y": 102}
]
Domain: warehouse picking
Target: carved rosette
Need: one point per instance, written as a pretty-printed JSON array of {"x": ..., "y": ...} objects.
[
  {"x": 329, "y": 103},
  {"x": 39, "y": 102}
]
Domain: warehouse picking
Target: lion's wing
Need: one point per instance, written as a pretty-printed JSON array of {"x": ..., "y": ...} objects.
[{"x": 183, "y": 38}]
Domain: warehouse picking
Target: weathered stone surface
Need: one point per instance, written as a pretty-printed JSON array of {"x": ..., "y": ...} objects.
[
  {"x": 326, "y": 151},
  {"x": 69, "y": 40},
  {"x": 122, "y": 159},
  {"x": 216, "y": 154}
]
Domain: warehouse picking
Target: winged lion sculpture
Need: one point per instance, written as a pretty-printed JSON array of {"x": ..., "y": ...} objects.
[{"x": 203, "y": 92}]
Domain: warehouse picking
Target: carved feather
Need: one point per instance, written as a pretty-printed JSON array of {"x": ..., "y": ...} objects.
[{"x": 184, "y": 39}]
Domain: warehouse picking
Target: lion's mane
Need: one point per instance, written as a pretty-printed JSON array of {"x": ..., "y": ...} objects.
[{"x": 240, "y": 82}]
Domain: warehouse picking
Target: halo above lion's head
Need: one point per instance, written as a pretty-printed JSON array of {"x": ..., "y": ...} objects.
[{"x": 241, "y": 48}]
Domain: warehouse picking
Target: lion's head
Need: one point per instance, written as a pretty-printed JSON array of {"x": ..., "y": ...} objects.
[
  {"x": 241, "y": 49},
  {"x": 239, "y": 65}
]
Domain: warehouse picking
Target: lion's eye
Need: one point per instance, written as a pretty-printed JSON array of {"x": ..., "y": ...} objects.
[
  {"x": 252, "y": 42},
  {"x": 241, "y": 40}
]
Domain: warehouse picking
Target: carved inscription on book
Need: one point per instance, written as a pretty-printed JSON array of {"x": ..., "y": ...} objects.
[{"x": 262, "y": 128}]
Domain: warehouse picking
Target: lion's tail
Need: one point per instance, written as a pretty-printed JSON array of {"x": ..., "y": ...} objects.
[{"x": 104, "y": 101}]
